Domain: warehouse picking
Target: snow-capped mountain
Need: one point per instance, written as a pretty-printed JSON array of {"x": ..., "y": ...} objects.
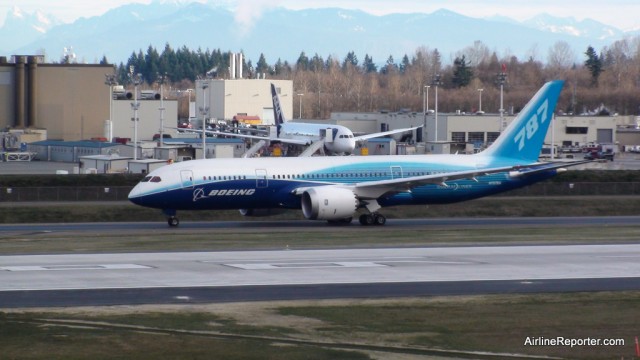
[
  {"x": 22, "y": 28},
  {"x": 568, "y": 25},
  {"x": 280, "y": 33}
]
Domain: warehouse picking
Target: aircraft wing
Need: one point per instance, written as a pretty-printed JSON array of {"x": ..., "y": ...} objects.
[
  {"x": 375, "y": 189},
  {"x": 544, "y": 166},
  {"x": 379, "y": 134},
  {"x": 247, "y": 136}
]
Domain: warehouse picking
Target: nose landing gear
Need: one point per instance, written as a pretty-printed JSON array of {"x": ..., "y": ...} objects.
[{"x": 172, "y": 219}]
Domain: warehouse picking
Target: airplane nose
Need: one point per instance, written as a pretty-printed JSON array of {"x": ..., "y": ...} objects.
[{"x": 135, "y": 194}]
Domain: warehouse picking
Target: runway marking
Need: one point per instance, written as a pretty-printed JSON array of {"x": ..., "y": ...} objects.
[
  {"x": 273, "y": 266},
  {"x": 341, "y": 264},
  {"x": 74, "y": 267},
  {"x": 619, "y": 256}
]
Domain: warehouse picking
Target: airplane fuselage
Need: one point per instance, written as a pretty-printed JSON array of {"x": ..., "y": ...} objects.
[
  {"x": 270, "y": 183},
  {"x": 337, "y": 139}
]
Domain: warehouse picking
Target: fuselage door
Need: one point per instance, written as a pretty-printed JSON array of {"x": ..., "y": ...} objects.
[
  {"x": 186, "y": 177},
  {"x": 396, "y": 172},
  {"x": 261, "y": 178},
  {"x": 327, "y": 135}
]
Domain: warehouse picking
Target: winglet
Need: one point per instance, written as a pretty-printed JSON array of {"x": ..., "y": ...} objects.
[
  {"x": 523, "y": 138},
  {"x": 278, "y": 116}
]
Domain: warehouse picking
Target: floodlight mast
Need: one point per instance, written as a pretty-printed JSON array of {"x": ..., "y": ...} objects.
[
  {"x": 137, "y": 80},
  {"x": 161, "y": 79}
]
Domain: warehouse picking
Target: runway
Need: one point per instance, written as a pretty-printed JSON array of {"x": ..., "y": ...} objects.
[
  {"x": 485, "y": 222},
  {"x": 196, "y": 277}
]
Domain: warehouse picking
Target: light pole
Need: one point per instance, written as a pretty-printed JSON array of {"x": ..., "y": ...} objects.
[
  {"x": 204, "y": 111},
  {"x": 425, "y": 107},
  {"x": 110, "y": 80},
  {"x": 480, "y": 101},
  {"x": 137, "y": 80},
  {"x": 189, "y": 91},
  {"x": 502, "y": 78},
  {"x": 436, "y": 82},
  {"x": 300, "y": 111},
  {"x": 162, "y": 78}
]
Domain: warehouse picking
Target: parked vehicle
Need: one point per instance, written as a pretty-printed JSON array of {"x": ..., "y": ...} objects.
[{"x": 599, "y": 155}]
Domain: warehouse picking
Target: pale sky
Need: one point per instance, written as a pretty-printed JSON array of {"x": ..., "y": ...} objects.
[{"x": 623, "y": 14}]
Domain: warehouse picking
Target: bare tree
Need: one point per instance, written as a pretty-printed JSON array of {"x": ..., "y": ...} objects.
[
  {"x": 477, "y": 54},
  {"x": 560, "y": 59}
]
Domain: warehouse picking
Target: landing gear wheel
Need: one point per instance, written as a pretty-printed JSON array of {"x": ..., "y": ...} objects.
[
  {"x": 380, "y": 219},
  {"x": 366, "y": 219},
  {"x": 173, "y": 221}
]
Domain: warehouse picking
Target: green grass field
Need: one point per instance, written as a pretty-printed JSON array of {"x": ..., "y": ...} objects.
[
  {"x": 403, "y": 329},
  {"x": 416, "y": 328}
]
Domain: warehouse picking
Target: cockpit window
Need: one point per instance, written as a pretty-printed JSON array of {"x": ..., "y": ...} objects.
[
  {"x": 146, "y": 179},
  {"x": 156, "y": 179}
]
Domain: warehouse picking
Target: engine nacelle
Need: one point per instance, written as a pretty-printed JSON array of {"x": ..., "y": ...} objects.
[
  {"x": 328, "y": 203},
  {"x": 260, "y": 212}
]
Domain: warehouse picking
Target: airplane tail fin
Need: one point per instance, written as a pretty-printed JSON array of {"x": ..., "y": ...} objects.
[
  {"x": 523, "y": 138},
  {"x": 278, "y": 116}
]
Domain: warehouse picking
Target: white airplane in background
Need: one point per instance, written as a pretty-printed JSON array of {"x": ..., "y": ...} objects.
[
  {"x": 336, "y": 139},
  {"x": 334, "y": 188}
]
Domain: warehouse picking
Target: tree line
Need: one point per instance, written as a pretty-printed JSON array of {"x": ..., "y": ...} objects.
[{"x": 609, "y": 79}]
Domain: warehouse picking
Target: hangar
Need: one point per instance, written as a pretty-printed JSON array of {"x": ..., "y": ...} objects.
[
  {"x": 470, "y": 133},
  {"x": 223, "y": 99},
  {"x": 69, "y": 100}
]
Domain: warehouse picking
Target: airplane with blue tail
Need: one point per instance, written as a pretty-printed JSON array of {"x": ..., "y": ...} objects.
[{"x": 337, "y": 188}]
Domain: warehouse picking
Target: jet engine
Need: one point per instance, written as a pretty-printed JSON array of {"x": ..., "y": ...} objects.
[
  {"x": 328, "y": 203},
  {"x": 260, "y": 212}
]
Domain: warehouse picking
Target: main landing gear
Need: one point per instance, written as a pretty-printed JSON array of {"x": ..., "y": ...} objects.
[{"x": 372, "y": 219}]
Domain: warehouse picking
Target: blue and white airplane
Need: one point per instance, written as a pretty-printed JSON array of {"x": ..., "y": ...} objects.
[{"x": 336, "y": 188}]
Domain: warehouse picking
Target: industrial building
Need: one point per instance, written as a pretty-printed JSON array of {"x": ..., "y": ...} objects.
[
  {"x": 224, "y": 99},
  {"x": 470, "y": 133},
  {"x": 150, "y": 117},
  {"x": 70, "y": 101}
]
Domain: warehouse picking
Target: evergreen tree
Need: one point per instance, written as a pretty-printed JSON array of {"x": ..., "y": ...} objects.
[
  {"x": 389, "y": 66},
  {"x": 404, "y": 65},
  {"x": 462, "y": 73},
  {"x": 151, "y": 62},
  {"x": 437, "y": 61},
  {"x": 368, "y": 65},
  {"x": 350, "y": 59},
  {"x": 303, "y": 62},
  {"x": 316, "y": 64},
  {"x": 594, "y": 64},
  {"x": 262, "y": 66}
]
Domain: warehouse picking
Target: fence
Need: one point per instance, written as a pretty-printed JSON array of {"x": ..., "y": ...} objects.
[
  {"x": 65, "y": 193},
  {"x": 120, "y": 193}
]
